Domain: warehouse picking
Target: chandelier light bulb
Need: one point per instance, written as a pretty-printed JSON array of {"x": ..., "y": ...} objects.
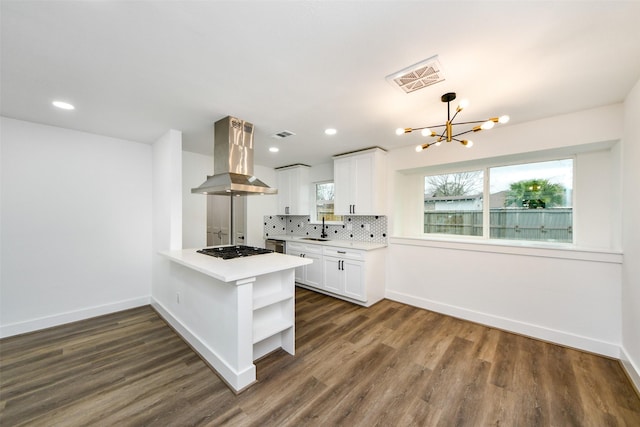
[
  {"x": 487, "y": 125},
  {"x": 449, "y": 133}
]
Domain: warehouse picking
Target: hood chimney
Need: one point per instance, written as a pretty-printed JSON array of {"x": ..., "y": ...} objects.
[{"x": 233, "y": 161}]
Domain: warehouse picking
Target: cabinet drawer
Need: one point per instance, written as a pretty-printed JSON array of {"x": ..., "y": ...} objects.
[
  {"x": 304, "y": 248},
  {"x": 295, "y": 247},
  {"x": 344, "y": 253}
]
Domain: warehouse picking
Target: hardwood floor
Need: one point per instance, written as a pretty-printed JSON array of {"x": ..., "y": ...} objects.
[{"x": 388, "y": 365}]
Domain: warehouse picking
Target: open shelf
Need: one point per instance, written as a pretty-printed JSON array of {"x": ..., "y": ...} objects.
[
  {"x": 270, "y": 299},
  {"x": 267, "y": 329},
  {"x": 273, "y": 313}
]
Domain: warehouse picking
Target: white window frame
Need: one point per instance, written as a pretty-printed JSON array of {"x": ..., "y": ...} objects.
[
  {"x": 486, "y": 209},
  {"x": 314, "y": 212}
]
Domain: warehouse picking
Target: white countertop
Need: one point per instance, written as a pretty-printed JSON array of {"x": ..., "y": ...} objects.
[
  {"x": 229, "y": 270},
  {"x": 365, "y": 246}
]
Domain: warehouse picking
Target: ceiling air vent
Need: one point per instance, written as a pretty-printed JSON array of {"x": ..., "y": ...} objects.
[
  {"x": 283, "y": 134},
  {"x": 417, "y": 76}
]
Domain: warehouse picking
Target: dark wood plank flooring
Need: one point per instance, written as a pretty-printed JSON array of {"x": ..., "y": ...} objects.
[{"x": 388, "y": 365}]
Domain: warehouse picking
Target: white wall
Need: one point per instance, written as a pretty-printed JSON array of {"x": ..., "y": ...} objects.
[
  {"x": 569, "y": 300},
  {"x": 167, "y": 211},
  {"x": 559, "y": 133},
  {"x": 571, "y": 297},
  {"x": 597, "y": 186},
  {"x": 631, "y": 236},
  {"x": 259, "y": 206},
  {"x": 167, "y": 191},
  {"x": 75, "y": 222},
  {"x": 195, "y": 168},
  {"x": 321, "y": 172}
]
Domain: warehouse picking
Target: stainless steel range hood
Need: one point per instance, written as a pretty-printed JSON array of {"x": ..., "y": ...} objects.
[{"x": 233, "y": 162}]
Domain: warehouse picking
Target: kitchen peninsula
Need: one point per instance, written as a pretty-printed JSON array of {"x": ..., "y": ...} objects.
[{"x": 231, "y": 311}]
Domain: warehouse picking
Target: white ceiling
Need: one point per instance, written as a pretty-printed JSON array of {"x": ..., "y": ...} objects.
[{"x": 136, "y": 69}]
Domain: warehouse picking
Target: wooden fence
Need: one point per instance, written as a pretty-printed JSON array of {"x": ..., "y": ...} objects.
[{"x": 553, "y": 224}]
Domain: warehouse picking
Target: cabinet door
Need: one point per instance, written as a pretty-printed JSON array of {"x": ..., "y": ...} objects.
[
  {"x": 333, "y": 275},
  {"x": 284, "y": 191},
  {"x": 342, "y": 181},
  {"x": 353, "y": 272},
  {"x": 362, "y": 184},
  {"x": 299, "y": 271},
  {"x": 293, "y": 191},
  {"x": 299, "y": 191},
  {"x": 314, "y": 272}
]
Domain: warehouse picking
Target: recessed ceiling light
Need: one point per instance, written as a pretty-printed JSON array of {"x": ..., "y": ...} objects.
[
  {"x": 274, "y": 149},
  {"x": 63, "y": 105},
  {"x": 330, "y": 131}
]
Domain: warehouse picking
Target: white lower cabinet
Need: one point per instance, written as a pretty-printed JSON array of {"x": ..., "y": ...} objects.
[
  {"x": 313, "y": 274},
  {"x": 345, "y": 277},
  {"x": 332, "y": 278},
  {"x": 310, "y": 274},
  {"x": 351, "y": 274}
]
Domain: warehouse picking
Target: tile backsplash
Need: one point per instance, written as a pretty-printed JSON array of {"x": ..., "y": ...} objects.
[{"x": 357, "y": 228}]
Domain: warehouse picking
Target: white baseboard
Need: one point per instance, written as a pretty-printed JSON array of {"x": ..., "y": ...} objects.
[
  {"x": 522, "y": 328},
  {"x": 632, "y": 370},
  {"x": 68, "y": 317},
  {"x": 236, "y": 380}
]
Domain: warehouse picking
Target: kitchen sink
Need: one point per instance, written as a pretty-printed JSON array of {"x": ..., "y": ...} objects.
[{"x": 316, "y": 239}]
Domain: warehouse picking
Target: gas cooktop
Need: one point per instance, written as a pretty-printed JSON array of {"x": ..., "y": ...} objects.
[{"x": 230, "y": 252}]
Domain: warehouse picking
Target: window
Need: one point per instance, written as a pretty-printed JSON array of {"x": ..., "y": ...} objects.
[
  {"x": 531, "y": 202},
  {"x": 453, "y": 203},
  {"x": 324, "y": 195}
]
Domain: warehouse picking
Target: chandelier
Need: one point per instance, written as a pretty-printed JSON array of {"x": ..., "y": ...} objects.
[{"x": 447, "y": 133}]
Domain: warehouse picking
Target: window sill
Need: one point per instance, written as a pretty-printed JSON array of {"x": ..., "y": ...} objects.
[{"x": 536, "y": 249}]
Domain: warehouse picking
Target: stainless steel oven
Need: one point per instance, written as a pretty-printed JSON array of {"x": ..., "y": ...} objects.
[{"x": 279, "y": 246}]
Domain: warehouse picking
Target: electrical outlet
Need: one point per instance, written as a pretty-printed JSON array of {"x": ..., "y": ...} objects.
[
  {"x": 178, "y": 297},
  {"x": 349, "y": 226},
  {"x": 367, "y": 227}
]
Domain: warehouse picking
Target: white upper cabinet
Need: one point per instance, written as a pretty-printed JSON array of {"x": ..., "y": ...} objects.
[
  {"x": 360, "y": 182},
  {"x": 293, "y": 190}
]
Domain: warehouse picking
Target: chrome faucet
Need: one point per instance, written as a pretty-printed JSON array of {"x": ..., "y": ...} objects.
[{"x": 324, "y": 234}]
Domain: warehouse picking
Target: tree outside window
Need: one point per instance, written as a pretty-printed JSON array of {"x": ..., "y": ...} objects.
[
  {"x": 453, "y": 203},
  {"x": 532, "y": 201},
  {"x": 535, "y": 194},
  {"x": 324, "y": 202}
]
